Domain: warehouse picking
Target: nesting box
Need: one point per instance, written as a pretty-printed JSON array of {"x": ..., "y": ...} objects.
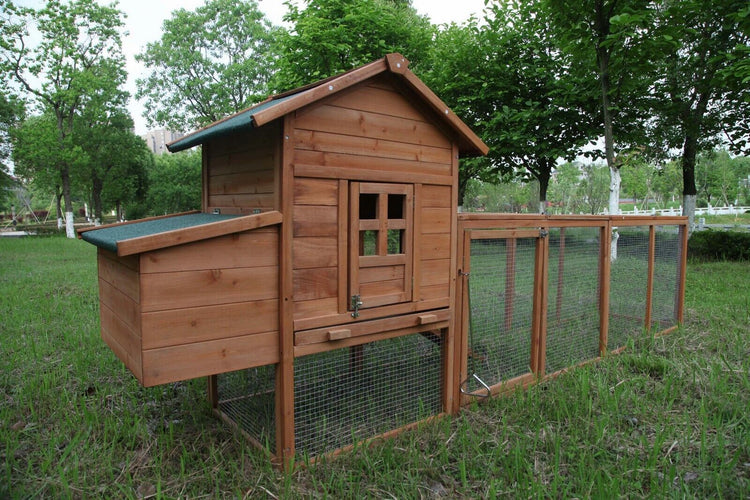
[{"x": 328, "y": 222}]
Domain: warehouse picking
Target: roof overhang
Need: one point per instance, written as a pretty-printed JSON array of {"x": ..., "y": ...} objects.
[{"x": 279, "y": 105}]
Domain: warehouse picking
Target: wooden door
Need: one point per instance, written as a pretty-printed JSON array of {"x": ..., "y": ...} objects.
[{"x": 380, "y": 244}]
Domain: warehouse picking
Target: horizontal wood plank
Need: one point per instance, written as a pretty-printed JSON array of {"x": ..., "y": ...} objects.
[
  {"x": 175, "y": 363},
  {"x": 260, "y": 200},
  {"x": 309, "y": 191},
  {"x": 379, "y": 99},
  {"x": 257, "y": 182},
  {"x": 382, "y": 273},
  {"x": 257, "y": 248},
  {"x": 435, "y": 272},
  {"x": 339, "y": 120},
  {"x": 199, "y": 324},
  {"x": 360, "y": 163},
  {"x": 315, "y": 252},
  {"x": 436, "y": 220},
  {"x": 304, "y": 309},
  {"x": 367, "y": 174},
  {"x": 316, "y": 221},
  {"x": 319, "y": 283},
  {"x": 436, "y": 196},
  {"x": 435, "y": 246},
  {"x": 134, "y": 365},
  {"x": 122, "y": 278},
  {"x": 434, "y": 292},
  {"x": 364, "y": 146},
  {"x": 178, "y": 290},
  {"x": 245, "y": 161},
  {"x": 127, "y": 344},
  {"x": 125, "y": 307}
]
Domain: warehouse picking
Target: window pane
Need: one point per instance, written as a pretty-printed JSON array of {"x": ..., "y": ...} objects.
[
  {"x": 368, "y": 243},
  {"x": 395, "y": 241},
  {"x": 368, "y": 206},
  {"x": 396, "y": 204}
]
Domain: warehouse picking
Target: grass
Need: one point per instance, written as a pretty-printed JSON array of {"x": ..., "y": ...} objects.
[{"x": 666, "y": 418}]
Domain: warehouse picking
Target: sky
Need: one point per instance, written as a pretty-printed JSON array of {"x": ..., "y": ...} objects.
[{"x": 145, "y": 18}]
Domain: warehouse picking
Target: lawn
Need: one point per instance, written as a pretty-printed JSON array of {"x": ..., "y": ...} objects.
[{"x": 666, "y": 418}]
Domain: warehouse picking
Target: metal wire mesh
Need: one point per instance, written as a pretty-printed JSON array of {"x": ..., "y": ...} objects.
[
  {"x": 248, "y": 398},
  {"x": 628, "y": 286},
  {"x": 573, "y": 297},
  {"x": 501, "y": 287},
  {"x": 346, "y": 395},
  {"x": 666, "y": 277}
]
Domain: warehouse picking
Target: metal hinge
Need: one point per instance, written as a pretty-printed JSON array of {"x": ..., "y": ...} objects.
[
  {"x": 356, "y": 304},
  {"x": 543, "y": 233}
]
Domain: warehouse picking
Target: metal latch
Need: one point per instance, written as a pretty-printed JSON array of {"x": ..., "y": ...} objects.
[{"x": 356, "y": 304}]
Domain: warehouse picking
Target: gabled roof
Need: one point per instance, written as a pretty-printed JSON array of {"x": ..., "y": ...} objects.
[{"x": 279, "y": 105}]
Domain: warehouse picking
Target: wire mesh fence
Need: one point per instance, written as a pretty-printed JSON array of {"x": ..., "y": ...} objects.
[
  {"x": 668, "y": 256},
  {"x": 247, "y": 397},
  {"x": 628, "y": 286},
  {"x": 573, "y": 304},
  {"x": 501, "y": 288},
  {"x": 350, "y": 394}
]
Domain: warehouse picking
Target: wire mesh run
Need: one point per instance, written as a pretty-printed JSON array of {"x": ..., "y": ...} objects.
[
  {"x": 350, "y": 394},
  {"x": 501, "y": 298},
  {"x": 668, "y": 256},
  {"x": 247, "y": 397},
  {"x": 573, "y": 297},
  {"x": 628, "y": 286}
]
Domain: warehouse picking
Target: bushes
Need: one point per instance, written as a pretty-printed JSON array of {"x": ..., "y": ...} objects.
[{"x": 719, "y": 245}]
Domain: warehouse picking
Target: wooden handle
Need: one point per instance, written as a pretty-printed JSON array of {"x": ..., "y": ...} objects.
[
  {"x": 339, "y": 334},
  {"x": 426, "y": 319}
]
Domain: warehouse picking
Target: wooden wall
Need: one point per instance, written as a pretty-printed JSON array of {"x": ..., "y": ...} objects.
[
  {"x": 240, "y": 171},
  {"x": 193, "y": 310},
  {"x": 369, "y": 133}
]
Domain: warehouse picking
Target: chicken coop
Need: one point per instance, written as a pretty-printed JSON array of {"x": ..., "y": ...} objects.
[{"x": 323, "y": 287}]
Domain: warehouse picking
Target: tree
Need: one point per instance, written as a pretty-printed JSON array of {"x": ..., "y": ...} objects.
[
  {"x": 11, "y": 110},
  {"x": 702, "y": 91},
  {"x": 77, "y": 41},
  {"x": 593, "y": 192},
  {"x": 209, "y": 63},
  {"x": 175, "y": 183},
  {"x": 332, "y": 36},
  {"x": 564, "y": 187},
  {"x": 523, "y": 102}
]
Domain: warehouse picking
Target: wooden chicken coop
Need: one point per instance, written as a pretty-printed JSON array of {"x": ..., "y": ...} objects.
[
  {"x": 323, "y": 259},
  {"x": 331, "y": 292}
]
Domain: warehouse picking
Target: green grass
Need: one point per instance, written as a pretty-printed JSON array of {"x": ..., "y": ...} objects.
[{"x": 667, "y": 418}]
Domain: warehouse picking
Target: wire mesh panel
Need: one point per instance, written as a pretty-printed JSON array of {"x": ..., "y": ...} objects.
[
  {"x": 248, "y": 398},
  {"x": 628, "y": 286},
  {"x": 346, "y": 395},
  {"x": 501, "y": 298},
  {"x": 666, "y": 277},
  {"x": 573, "y": 297}
]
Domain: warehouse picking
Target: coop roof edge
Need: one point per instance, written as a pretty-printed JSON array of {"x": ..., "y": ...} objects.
[{"x": 281, "y": 104}]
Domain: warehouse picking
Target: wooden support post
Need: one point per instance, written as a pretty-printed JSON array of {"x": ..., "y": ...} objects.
[
  {"x": 539, "y": 318},
  {"x": 510, "y": 281},
  {"x": 605, "y": 269},
  {"x": 650, "y": 279},
  {"x": 285, "y": 369},
  {"x": 213, "y": 392}
]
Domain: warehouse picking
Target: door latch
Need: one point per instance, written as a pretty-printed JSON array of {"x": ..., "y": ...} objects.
[{"x": 356, "y": 304}]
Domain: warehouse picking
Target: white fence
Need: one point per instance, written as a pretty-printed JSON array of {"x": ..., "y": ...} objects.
[{"x": 709, "y": 210}]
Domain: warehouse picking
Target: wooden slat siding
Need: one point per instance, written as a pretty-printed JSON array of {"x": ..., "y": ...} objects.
[
  {"x": 435, "y": 246},
  {"x": 316, "y": 221},
  {"x": 372, "y": 174},
  {"x": 338, "y": 120},
  {"x": 124, "y": 279},
  {"x": 436, "y": 220},
  {"x": 318, "y": 283},
  {"x": 372, "y": 274},
  {"x": 316, "y": 192},
  {"x": 241, "y": 170},
  {"x": 162, "y": 291},
  {"x": 358, "y": 164},
  {"x": 200, "y": 324},
  {"x": 171, "y": 364},
  {"x": 123, "y": 306},
  {"x": 315, "y": 252},
  {"x": 255, "y": 182},
  {"x": 320, "y": 308},
  {"x": 343, "y": 264},
  {"x": 435, "y": 272},
  {"x": 257, "y": 248},
  {"x": 196, "y": 233},
  {"x": 365, "y": 146},
  {"x": 120, "y": 337},
  {"x": 375, "y": 96}
]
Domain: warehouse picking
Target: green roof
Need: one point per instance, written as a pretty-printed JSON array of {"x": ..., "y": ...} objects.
[
  {"x": 107, "y": 237},
  {"x": 229, "y": 124}
]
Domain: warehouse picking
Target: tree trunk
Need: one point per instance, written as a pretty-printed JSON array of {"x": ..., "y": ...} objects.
[
  {"x": 69, "y": 227},
  {"x": 96, "y": 195},
  {"x": 58, "y": 206},
  {"x": 689, "y": 191},
  {"x": 542, "y": 176}
]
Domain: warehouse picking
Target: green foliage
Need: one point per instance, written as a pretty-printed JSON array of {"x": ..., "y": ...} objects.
[
  {"x": 710, "y": 245},
  {"x": 332, "y": 36},
  {"x": 718, "y": 175},
  {"x": 175, "y": 183},
  {"x": 209, "y": 63}
]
